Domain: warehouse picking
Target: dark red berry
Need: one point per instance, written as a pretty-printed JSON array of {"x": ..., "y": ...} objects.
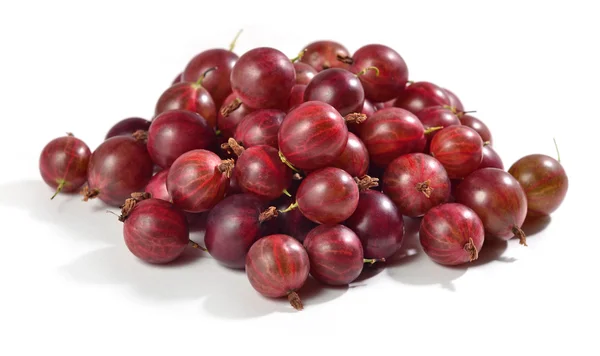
[
  {"x": 378, "y": 223},
  {"x": 278, "y": 266},
  {"x": 178, "y": 79},
  {"x": 459, "y": 149},
  {"x": 498, "y": 199},
  {"x": 157, "y": 186},
  {"x": 327, "y": 196},
  {"x": 420, "y": 95},
  {"x": 127, "y": 127},
  {"x": 416, "y": 182},
  {"x": 176, "y": 132},
  {"x": 63, "y": 164},
  {"x": 263, "y": 78},
  {"x": 324, "y": 54},
  {"x": 355, "y": 157},
  {"x": 391, "y": 133},
  {"x": 477, "y": 125},
  {"x": 335, "y": 254},
  {"x": 216, "y": 82},
  {"x": 312, "y": 136},
  {"x": 231, "y": 114},
  {"x": 491, "y": 159},
  {"x": 544, "y": 182},
  {"x": 234, "y": 224},
  {"x": 198, "y": 180},
  {"x": 455, "y": 102},
  {"x": 392, "y": 75},
  {"x": 296, "y": 96},
  {"x": 120, "y": 166},
  {"x": 292, "y": 222},
  {"x": 260, "y": 127},
  {"x": 337, "y": 87},
  {"x": 304, "y": 73},
  {"x": 436, "y": 117},
  {"x": 155, "y": 231},
  {"x": 451, "y": 234},
  {"x": 189, "y": 96}
]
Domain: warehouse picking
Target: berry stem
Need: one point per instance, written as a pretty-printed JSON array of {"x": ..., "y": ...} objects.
[
  {"x": 372, "y": 261},
  {"x": 231, "y": 107},
  {"x": 355, "y": 118},
  {"x": 295, "y": 301},
  {"x": 299, "y": 56},
  {"x": 126, "y": 208},
  {"x": 268, "y": 214},
  {"x": 61, "y": 185},
  {"x": 226, "y": 167},
  {"x": 433, "y": 129},
  {"x": 364, "y": 71},
  {"x": 287, "y": 163},
  {"x": 366, "y": 182},
  {"x": 297, "y": 176},
  {"x": 471, "y": 250},
  {"x": 140, "y": 135},
  {"x": 196, "y": 245},
  {"x": 557, "y": 152},
  {"x": 89, "y": 193},
  {"x": 234, "y": 146},
  {"x": 218, "y": 132},
  {"x": 425, "y": 188},
  {"x": 201, "y": 79},
  {"x": 487, "y": 143},
  {"x": 520, "y": 234},
  {"x": 285, "y": 191},
  {"x": 292, "y": 206},
  {"x": 232, "y": 44},
  {"x": 345, "y": 59},
  {"x": 70, "y": 134}
]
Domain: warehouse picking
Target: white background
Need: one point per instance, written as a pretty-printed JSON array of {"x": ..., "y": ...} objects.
[{"x": 69, "y": 286}]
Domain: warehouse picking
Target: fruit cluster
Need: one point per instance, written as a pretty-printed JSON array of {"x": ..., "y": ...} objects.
[{"x": 306, "y": 166}]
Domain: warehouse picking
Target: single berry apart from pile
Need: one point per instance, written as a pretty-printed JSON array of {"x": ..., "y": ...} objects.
[
  {"x": 198, "y": 180},
  {"x": 263, "y": 78},
  {"x": 459, "y": 149},
  {"x": 63, "y": 164},
  {"x": 234, "y": 224},
  {"x": 119, "y": 166},
  {"x": 335, "y": 254},
  {"x": 420, "y": 95},
  {"x": 416, "y": 182},
  {"x": 127, "y": 127},
  {"x": 278, "y": 266},
  {"x": 544, "y": 181},
  {"x": 155, "y": 231},
  {"x": 378, "y": 224},
  {"x": 176, "y": 132},
  {"x": 260, "y": 127},
  {"x": 325, "y": 54},
  {"x": 451, "y": 234},
  {"x": 392, "y": 74},
  {"x": 498, "y": 199}
]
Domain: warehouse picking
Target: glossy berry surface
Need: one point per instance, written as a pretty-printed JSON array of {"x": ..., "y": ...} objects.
[
  {"x": 491, "y": 159},
  {"x": 393, "y": 72},
  {"x": 391, "y": 133},
  {"x": 259, "y": 171},
  {"x": 304, "y": 73},
  {"x": 327, "y": 196},
  {"x": 176, "y": 132},
  {"x": 156, "y": 231},
  {"x": 118, "y": 167},
  {"x": 451, "y": 234},
  {"x": 217, "y": 82},
  {"x": 296, "y": 96},
  {"x": 455, "y": 102},
  {"x": 459, "y": 149},
  {"x": 435, "y": 117},
  {"x": 335, "y": 254},
  {"x": 260, "y": 127},
  {"x": 544, "y": 182},
  {"x": 498, "y": 199},
  {"x": 416, "y": 183},
  {"x": 324, "y": 54},
  {"x": 477, "y": 125},
  {"x": 63, "y": 163},
  {"x": 198, "y": 180},
  {"x": 232, "y": 226},
  {"x": 157, "y": 186},
  {"x": 355, "y": 157},
  {"x": 278, "y": 266},
  {"x": 313, "y": 135},
  {"x": 420, "y": 95},
  {"x": 292, "y": 222},
  {"x": 230, "y": 115},
  {"x": 378, "y": 224},
  {"x": 127, "y": 127},
  {"x": 337, "y": 87},
  {"x": 263, "y": 78},
  {"x": 188, "y": 96}
]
